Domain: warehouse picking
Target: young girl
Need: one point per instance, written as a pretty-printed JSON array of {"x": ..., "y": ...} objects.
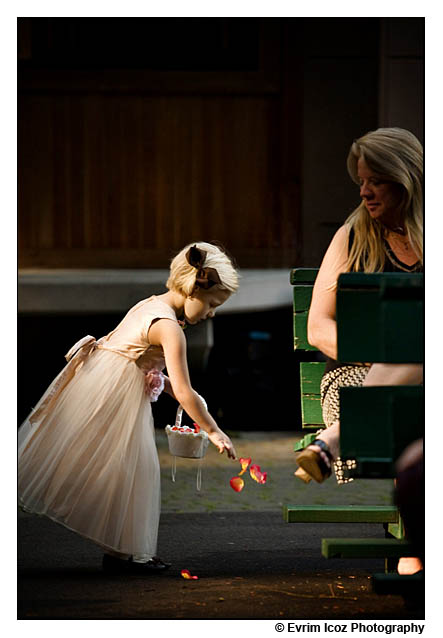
[{"x": 87, "y": 455}]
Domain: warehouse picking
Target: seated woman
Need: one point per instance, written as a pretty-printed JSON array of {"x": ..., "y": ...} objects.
[{"x": 383, "y": 234}]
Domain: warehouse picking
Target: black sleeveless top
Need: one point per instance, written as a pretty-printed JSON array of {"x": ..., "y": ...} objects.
[{"x": 392, "y": 264}]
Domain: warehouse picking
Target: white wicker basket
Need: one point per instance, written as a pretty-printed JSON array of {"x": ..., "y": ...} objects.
[{"x": 188, "y": 445}]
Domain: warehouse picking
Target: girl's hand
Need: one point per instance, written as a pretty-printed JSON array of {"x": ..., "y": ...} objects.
[{"x": 222, "y": 442}]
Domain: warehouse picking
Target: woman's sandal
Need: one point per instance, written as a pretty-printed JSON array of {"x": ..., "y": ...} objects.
[{"x": 312, "y": 465}]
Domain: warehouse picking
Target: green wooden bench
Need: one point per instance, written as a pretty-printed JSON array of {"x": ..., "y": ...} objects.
[
  {"x": 388, "y": 309},
  {"x": 311, "y": 372}
]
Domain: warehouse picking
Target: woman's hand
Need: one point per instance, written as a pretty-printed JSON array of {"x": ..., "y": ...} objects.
[{"x": 222, "y": 442}]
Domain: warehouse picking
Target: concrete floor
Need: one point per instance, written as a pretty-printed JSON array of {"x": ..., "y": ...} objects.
[{"x": 250, "y": 563}]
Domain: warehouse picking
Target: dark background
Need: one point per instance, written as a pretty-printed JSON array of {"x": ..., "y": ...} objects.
[{"x": 139, "y": 135}]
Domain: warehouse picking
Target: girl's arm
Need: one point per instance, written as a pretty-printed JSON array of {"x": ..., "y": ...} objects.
[
  {"x": 168, "y": 387},
  {"x": 170, "y": 337},
  {"x": 322, "y": 326}
]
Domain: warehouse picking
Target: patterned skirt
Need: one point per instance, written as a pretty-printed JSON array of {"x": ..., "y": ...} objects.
[{"x": 349, "y": 375}]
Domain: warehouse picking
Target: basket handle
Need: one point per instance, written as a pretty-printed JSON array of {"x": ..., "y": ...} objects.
[{"x": 178, "y": 418}]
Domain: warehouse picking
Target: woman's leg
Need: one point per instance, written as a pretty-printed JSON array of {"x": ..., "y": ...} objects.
[
  {"x": 379, "y": 374},
  {"x": 394, "y": 374}
]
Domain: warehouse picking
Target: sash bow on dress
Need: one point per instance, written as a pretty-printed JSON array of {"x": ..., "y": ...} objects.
[{"x": 75, "y": 356}]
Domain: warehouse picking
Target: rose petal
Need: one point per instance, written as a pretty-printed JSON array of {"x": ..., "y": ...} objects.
[
  {"x": 196, "y": 427},
  {"x": 257, "y": 474},
  {"x": 237, "y": 483},
  {"x": 187, "y": 575},
  {"x": 244, "y": 465}
]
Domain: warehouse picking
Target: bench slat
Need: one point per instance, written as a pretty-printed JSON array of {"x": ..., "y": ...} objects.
[
  {"x": 300, "y": 332},
  {"x": 305, "y": 441},
  {"x": 302, "y": 295},
  {"x": 365, "y": 548},
  {"x": 303, "y": 275},
  {"x": 387, "y": 308},
  {"x": 311, "y": 412},
  {"x": 302, "y": 279},
  {"x": 340, "y": 514},
  {"x": 389, "y": 418},
  {"x": 311, "y": 373}
]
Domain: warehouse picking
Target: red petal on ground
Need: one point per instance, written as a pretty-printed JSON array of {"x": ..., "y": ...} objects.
[
  {"x": 237, "y": 483},
  {"x": 244, "y": 465},
  {"x": 257, "y": 474},
  {"x": 187, "y": 575}
]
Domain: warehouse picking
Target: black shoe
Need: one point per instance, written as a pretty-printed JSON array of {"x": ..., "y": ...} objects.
[{"x": 113, "y": 565}]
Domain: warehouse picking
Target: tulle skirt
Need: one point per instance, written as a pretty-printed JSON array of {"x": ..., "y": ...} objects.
[{"x": 90, "y": 462}]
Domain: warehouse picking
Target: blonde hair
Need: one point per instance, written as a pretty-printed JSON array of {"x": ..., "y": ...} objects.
[
  {"x": 182, "y": 275},
  {"x": 396, "y": 155}
]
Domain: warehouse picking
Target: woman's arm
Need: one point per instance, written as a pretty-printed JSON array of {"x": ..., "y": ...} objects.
[
  {"x": 170, "y": 337},
  {"x": 322, "y": 326}
]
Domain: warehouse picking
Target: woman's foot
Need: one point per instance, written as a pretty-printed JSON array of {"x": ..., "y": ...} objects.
[
  {"x": 113, "y": 565},
  {"x": 408, "y": 565},
  {"x": 315, "y": 462}
]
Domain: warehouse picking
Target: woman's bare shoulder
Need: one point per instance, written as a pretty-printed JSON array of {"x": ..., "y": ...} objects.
[
  {"x": 338, "y": 248},
  {"x": 342, "y": 233}
]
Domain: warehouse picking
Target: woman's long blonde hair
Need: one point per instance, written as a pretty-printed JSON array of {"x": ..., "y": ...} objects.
[
  {"x": 182, "y": 275},
  {"x": 397, "y": 155}
]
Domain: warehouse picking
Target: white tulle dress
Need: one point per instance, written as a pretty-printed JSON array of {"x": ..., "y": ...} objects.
[{"x": 87, "y": 454}]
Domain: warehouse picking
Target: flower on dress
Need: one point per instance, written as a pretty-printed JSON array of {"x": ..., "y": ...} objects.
[{"x": 154, "y": 384}]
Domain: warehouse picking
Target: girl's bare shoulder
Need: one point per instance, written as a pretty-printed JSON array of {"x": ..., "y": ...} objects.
[{"x": 165, "y": 330}]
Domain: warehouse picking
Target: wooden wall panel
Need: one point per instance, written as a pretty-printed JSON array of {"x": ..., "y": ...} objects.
[
  {"x": 124, "y": 174},
  {"x": 121, "y": 167}
]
